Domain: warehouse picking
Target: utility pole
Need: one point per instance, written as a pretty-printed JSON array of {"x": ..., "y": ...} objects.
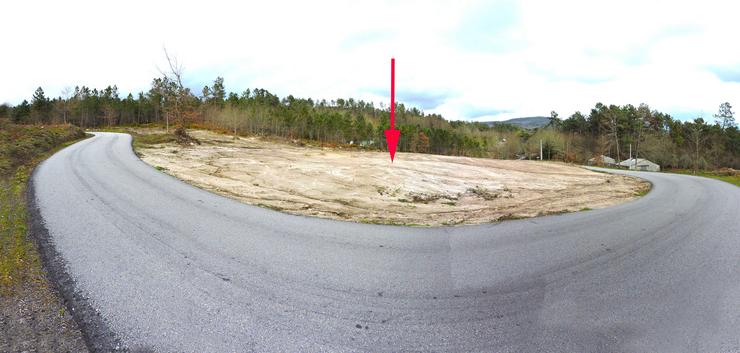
[{"x": 540, "y": 149}]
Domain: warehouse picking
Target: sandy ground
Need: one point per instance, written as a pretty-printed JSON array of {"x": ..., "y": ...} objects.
[{"x": 356, "y": 185}]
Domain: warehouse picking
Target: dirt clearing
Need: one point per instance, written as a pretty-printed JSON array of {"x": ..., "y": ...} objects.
[{"x": 363, "y": 186}]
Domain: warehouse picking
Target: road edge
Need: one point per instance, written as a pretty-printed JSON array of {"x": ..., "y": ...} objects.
[
  {"x": 624, "y": 173},
  {"x": 96, "y": 333}
]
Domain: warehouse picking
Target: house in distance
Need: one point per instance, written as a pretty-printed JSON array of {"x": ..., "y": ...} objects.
[{"x": 640, "y": 164}]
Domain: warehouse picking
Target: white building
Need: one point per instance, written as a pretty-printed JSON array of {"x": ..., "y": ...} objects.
[{"x": 640, "y": 164}]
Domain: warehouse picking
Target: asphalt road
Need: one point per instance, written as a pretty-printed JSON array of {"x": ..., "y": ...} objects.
[{"x": 169, "y": 267}]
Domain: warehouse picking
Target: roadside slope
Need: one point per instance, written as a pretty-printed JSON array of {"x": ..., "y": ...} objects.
[{"x": 32, "y": 316}]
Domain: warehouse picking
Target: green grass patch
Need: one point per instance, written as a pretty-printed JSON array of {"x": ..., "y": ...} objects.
[
  {"x": 151, "y": 138},
  {"x": 21, "y": 148},
  {"x": 726, "y": 175},
  {"x": 147, "y": 140}
]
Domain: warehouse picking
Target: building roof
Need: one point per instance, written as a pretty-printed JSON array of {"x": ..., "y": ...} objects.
[{"x": 640, "y": 161}]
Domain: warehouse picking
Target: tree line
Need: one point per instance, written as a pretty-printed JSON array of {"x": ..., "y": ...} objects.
[{"x": 610, "y": 130}]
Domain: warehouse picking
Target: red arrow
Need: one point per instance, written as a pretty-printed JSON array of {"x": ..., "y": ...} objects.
[{"x": 392, "y": 135}]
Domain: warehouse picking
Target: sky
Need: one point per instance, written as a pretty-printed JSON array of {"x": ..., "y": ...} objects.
[{"x": 469, "y": 60}]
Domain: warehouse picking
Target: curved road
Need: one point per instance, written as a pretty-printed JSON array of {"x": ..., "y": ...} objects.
[{"x": 169, "y": 267}]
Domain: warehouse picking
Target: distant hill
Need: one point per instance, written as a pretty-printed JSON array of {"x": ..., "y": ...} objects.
[{"x": 531, "y": 122}]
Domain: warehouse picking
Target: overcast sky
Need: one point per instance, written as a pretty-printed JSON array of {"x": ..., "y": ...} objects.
[{"x": 486, "y": 60}]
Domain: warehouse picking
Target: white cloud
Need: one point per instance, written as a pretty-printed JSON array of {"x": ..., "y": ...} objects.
[{"x": 500, "y": 59}]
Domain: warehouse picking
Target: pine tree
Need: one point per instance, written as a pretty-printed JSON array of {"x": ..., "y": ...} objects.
[
  {"x": 725, "y": 117},
  {"x": 21, "y": 113},
  {"x": 40, "y": 106}
]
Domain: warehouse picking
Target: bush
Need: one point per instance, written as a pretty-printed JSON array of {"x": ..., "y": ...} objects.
[
  {"x": 727, "y": 172},
  {"x": 184, "y": 138},
  {"x": 21, "y": 145}
]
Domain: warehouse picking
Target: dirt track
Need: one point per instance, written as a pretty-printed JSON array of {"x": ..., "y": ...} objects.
[{"x": 418, "y": 189}]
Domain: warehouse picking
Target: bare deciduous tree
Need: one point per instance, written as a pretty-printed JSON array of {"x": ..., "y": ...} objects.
[
  {"x": 66, "y": 94},
  {"x": 614, "y": 127},
  {"x": 643, "y": 116},
  {"x": 172, "y": 90}
]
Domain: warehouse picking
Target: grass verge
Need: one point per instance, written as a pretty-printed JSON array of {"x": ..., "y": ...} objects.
[
  {"x": 32, "y": 317},
  {"x": 21, "y": 148},
  {"x": 727, "y": 175}
]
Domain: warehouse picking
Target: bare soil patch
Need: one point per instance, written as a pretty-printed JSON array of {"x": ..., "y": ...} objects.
[
  {"x": 364, "y": 186},
  {"x": 34, "y": 319}
]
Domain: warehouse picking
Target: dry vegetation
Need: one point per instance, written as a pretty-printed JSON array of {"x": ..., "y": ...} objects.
[
  {"x": 348, "y": 183},
  {"x": 32, "y": 317}
]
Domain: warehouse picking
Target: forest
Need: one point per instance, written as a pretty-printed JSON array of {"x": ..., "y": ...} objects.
[{"x": 612, "y": 130}]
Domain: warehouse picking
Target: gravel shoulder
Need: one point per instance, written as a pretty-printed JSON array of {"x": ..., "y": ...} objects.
[
  {"x": 34, "y": 319},
  {"x": 363, "y": 186}
]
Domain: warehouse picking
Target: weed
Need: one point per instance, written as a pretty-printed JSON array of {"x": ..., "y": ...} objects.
[
  {"x": 510, "y": 217},
  {"x": 453, "y": 222},
  {"x": 21, "y": 148},
  {"x": 420, "y": 197},
  {"x": 423, "y": 198},
  {"x": 483, "y": 193},
  {"x": 274, "y": 208}
]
